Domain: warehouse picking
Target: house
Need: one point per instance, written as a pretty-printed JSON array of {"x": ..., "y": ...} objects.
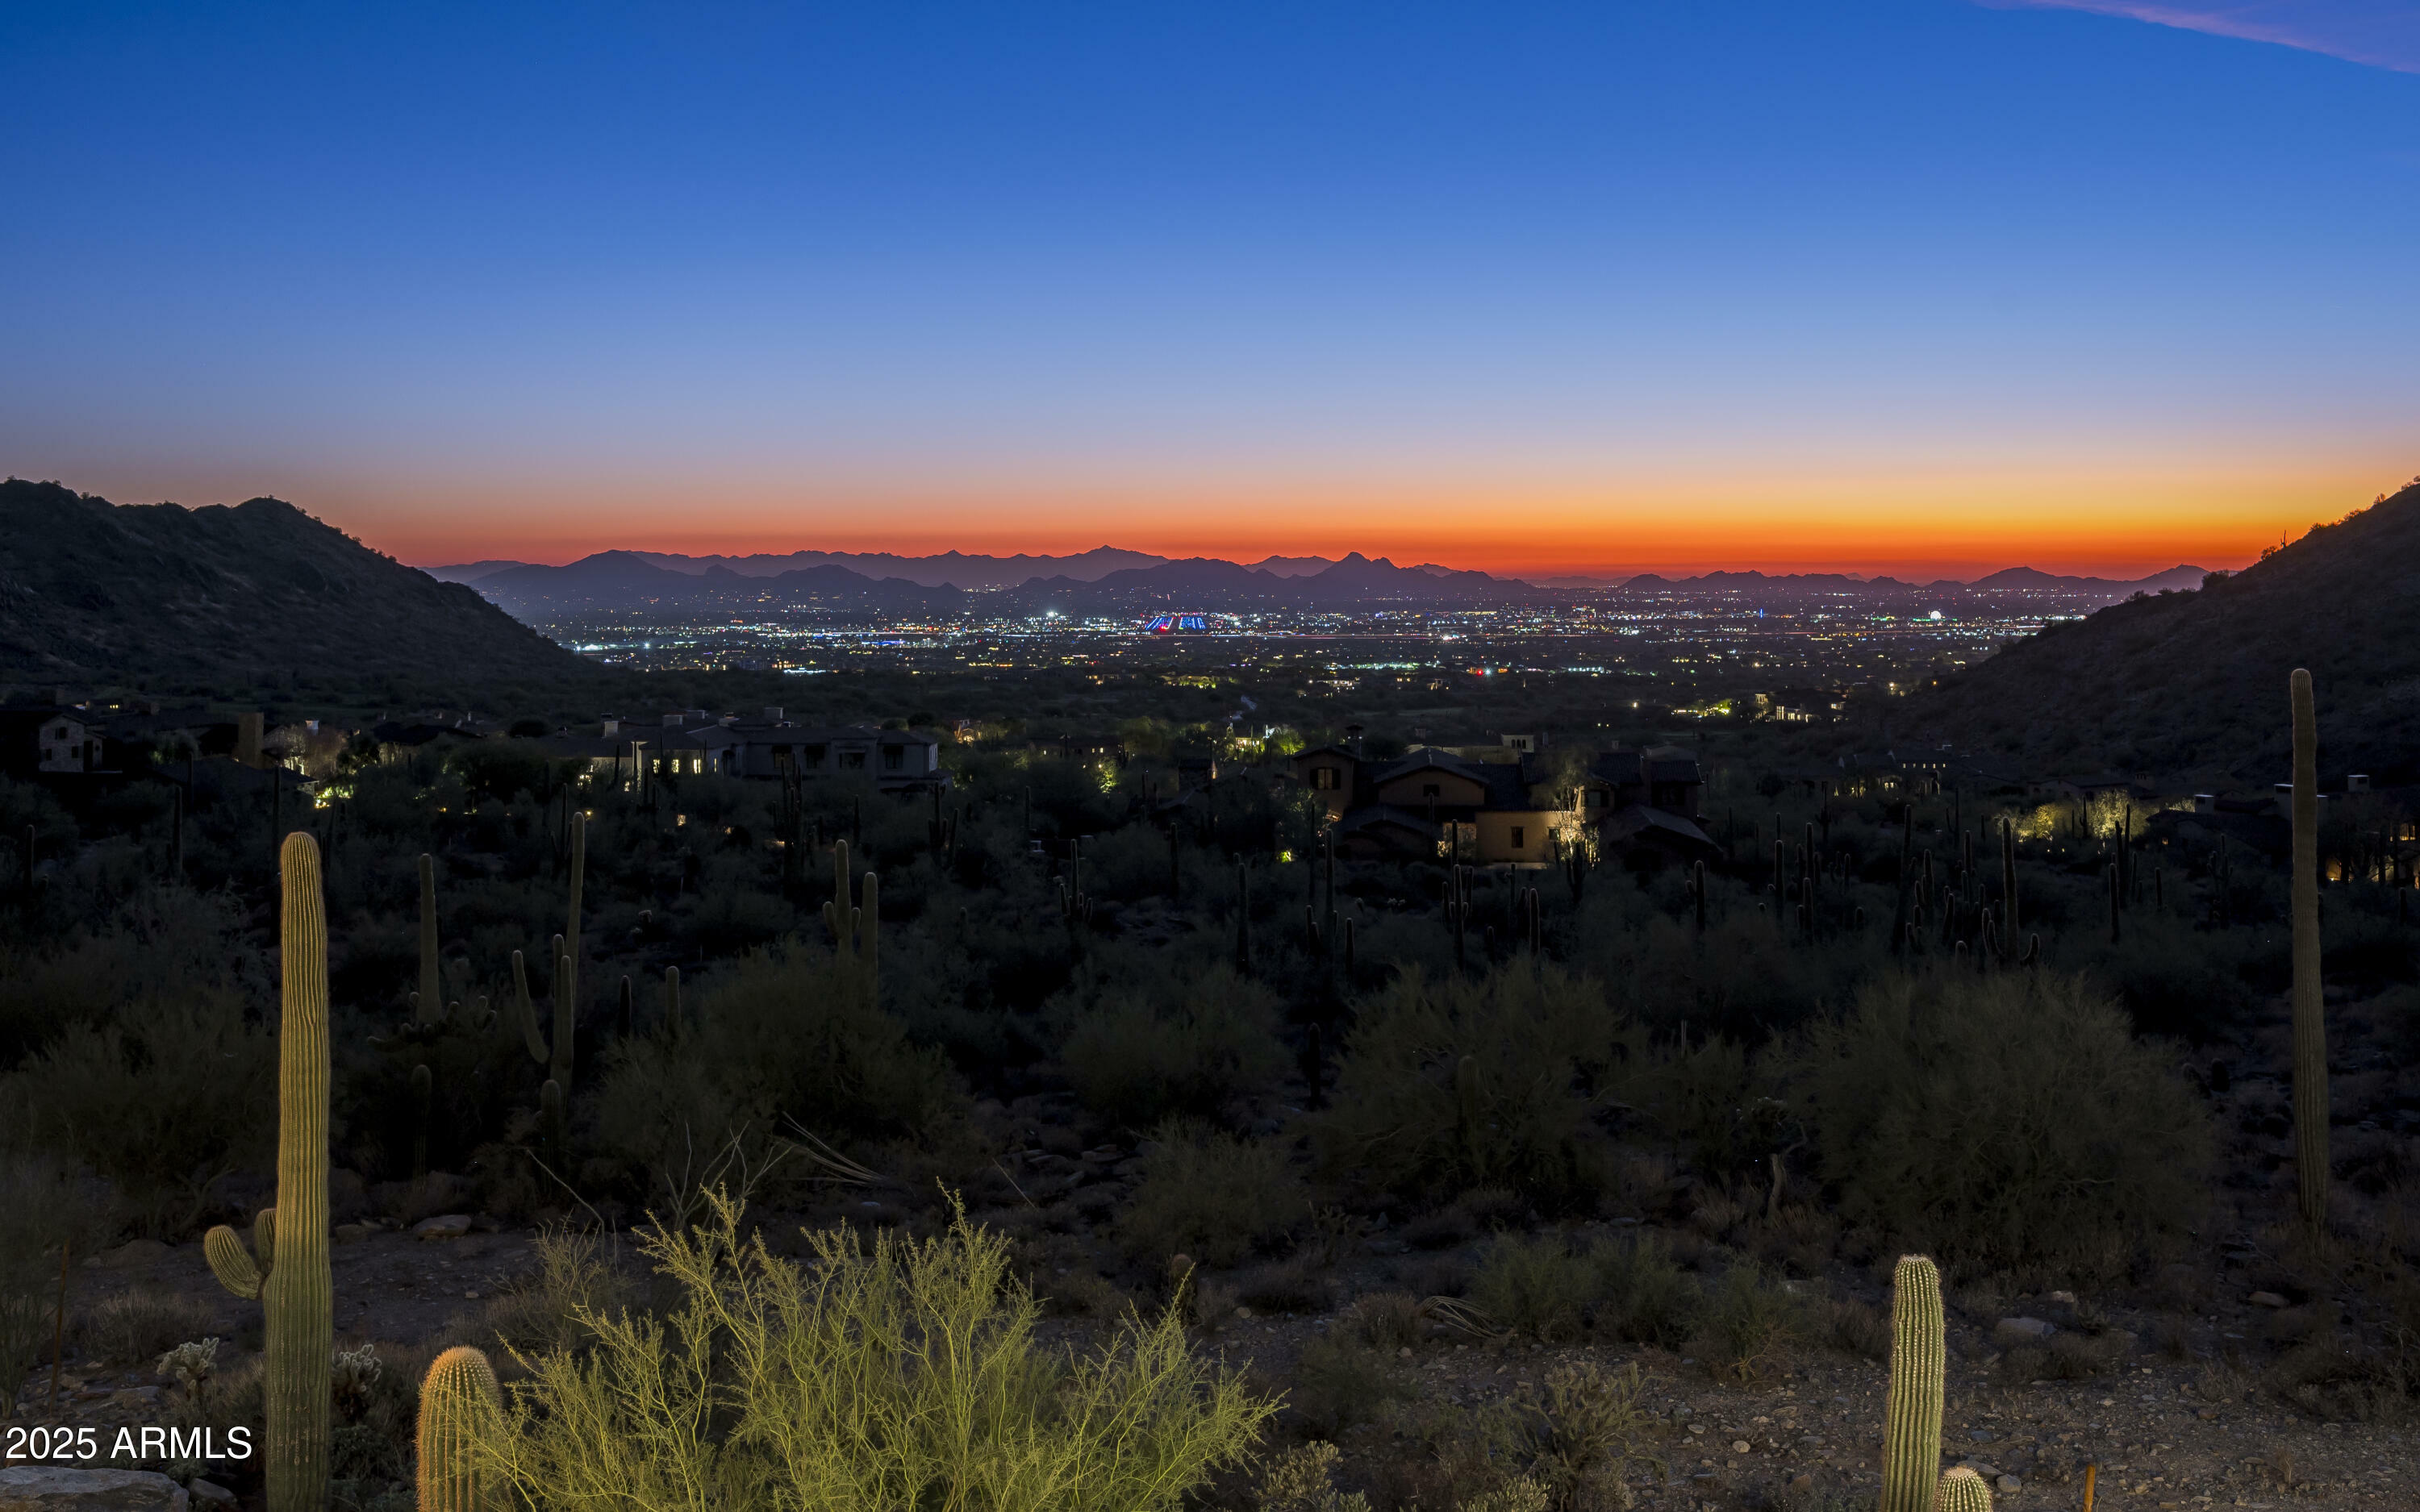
[
  {"x": 1451, "y": 805},
  {"x": 1328, "y": 773},
  {"x": 44, "y": 739},
  {"x": 896, "y": 760}
]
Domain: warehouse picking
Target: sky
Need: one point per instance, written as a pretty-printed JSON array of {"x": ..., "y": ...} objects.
[{"x": 1919, "y": 285}]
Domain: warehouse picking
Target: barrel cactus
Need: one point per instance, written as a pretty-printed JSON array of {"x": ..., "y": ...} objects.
[{"x": 458, "y": 1400}]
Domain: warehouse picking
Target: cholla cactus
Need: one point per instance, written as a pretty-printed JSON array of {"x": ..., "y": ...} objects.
[
  {"x": 1911, "y": 1423},
  {"x": 190, "y": 1364},
  {"x": 457, "y": 1398}
]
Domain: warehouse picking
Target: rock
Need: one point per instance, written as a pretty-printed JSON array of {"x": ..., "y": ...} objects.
[
  {"x": 2266, "y": 1299},
  {"x": 2010, "y": 1331},
  {"x": 75, "y": 1489},
  {"x": 1739, "y": 1446},
  {"x": 2065, "y": 1297},
  {"x": 445, "y": 1226},
  {"x": 2010, "y": 1485},
  {"x": 210, "y": 1491},
  {"x": 351, "y": 1233},
  {"x": 133, "y": 1252}
]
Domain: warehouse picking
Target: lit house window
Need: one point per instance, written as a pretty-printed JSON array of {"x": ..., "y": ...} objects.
[{"x": 1323, "y": 778}]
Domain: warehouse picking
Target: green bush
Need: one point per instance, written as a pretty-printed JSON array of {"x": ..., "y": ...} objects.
[
  {"x": 1641, "y": 1294},
  {"x": 890, "y": 1378},
  {"x": 1540, "y": 1049},
  {"x": 2004, "y": 1120},
  {"x": 1210, "y": 1196},
  {"x": 160, "y": 1107},
  {"x": 1747, "y": 1321},
  {"x": 785, "y": 1036},
  {"x": 1536, "y": 1285},
  {"x": 1189, "y": 1048}
]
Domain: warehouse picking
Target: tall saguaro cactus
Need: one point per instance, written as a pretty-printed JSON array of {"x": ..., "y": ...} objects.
[
  {"x": 1912, "y": 1421},
  {"x": 458, "y": 1397},
  {"x": 2009, "y": 883},
  {"x": 432, "y": 993},
  {"x": 2310, "y": 1023},
  {"x": 566, "y": 986},
  {"x": 289, "y": 1268},
  {"x": 856, "y": 929}
]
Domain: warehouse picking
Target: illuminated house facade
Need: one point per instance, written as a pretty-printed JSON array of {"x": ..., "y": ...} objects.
[{"x": 1440, "y": 803}]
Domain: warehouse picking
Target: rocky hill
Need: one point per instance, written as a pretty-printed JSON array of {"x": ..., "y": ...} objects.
[
  {"x": 2194, "y": 682},
  {"x": 259, "y": 592}
]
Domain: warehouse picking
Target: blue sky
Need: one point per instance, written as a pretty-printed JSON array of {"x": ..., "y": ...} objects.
[{"x": 1582, "y": 285}]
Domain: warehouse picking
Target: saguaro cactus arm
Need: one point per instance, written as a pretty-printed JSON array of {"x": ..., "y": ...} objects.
[
  {"x": 525, "y": 1012},
  {"x": 232, "y": 1263}
]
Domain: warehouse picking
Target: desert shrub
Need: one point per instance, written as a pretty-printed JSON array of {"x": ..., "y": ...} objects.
[
  {"x": 2004, "y": 1120},
  {"x": 889, "y": 1377},
  {"x": 1580, "y": 1431},
  {"x": 1452, "y": 1084},
  {"x": 1641, "y": 1294},
  {"x": 1535, "y": 1286},
  {"x": 160, "y": 1107},
  {"x": 46, "y": 1206},
  {"x": 1303, "y": 1479},
  {"x": 1342, "y": 1383},
  {"x": 1385, "y": 1321},
  {"x": 162, "y": 948},
  {"x": 574, "y": 1277},
  {"x": 1748, "y": 1320},
  {"x": 788, "y": 1036},
  {"x": 1126, "y": 863},
  {"x": 1189, "y": 1047},
  {"x": 1210, "y": 1196},
  {"x": 131, "y": 1326}
]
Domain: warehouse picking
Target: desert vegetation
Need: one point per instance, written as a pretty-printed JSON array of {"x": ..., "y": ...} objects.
[{"x": 1040, "y": 1144}]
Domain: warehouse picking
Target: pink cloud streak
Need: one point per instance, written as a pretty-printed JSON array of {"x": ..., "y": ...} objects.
[{"x": 2381, "y": 32}]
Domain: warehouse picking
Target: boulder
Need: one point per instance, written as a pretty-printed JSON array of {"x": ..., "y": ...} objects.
[
  {"x": 2010, "y": 1331},
  {"x": 133, "y": 1252},
  {"x": 79, "y": 1488},
  {"x": 445, "y": 1226}
]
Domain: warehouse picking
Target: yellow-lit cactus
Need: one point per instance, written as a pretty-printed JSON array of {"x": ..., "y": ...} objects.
[
  {"x": 457, "y": 1402},
  {"x": 291, "y": 1274},
  {"x": 1962, "y": 1491},
  {"x": 1912, "y": 1420}
]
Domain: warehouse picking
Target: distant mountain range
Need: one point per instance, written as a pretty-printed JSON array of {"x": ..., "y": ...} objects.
[
  {"x": 256, "y": 592},
  {"x": 887, "y": 580},
  {"x": 2197, "y": 682},
  {"x": 633, "y": 579}
]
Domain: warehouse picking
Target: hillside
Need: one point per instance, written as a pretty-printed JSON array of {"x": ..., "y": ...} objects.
[
  {"x": 2195, "y": 682},
  {"x": 256, "y": 592}
]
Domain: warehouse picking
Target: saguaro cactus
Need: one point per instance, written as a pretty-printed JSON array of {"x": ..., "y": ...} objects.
[
  {"x": 2310, "y": 1023},
  {"x": 1911, "y": 1421},
  {"x": 431, "y": 1004},
  {"x": 566, "y": 988},
  {"x": 2009, "y": 882},
  {"x": 291, "y": 1274},
  {"x": 855, "y": 931},
  {"x": 458, "y": 1397}
]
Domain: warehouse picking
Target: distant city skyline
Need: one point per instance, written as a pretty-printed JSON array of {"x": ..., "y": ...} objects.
[{"x": 1925, "y": 287}]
